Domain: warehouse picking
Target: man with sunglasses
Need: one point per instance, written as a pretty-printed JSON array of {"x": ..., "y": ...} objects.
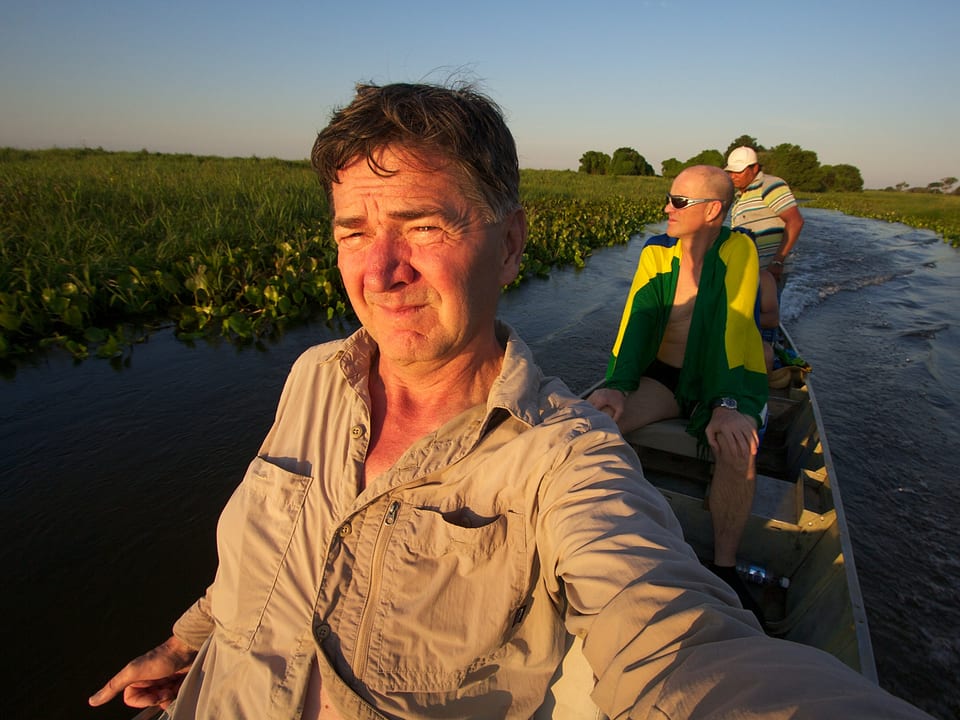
[
  {"x": 765, "y": 206},
  {"x": 689, "y": 346}
]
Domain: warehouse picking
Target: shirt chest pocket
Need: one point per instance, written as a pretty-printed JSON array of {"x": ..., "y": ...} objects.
[
  {"x": 450, "y": 595},
  {"x": 253, "y": 537}
]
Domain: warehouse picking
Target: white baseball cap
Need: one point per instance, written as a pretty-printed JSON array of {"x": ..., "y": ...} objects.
[{"x": 740, "y": 158}]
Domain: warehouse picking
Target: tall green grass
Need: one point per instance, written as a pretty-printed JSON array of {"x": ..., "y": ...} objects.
[
  {"x": 95, "y": 243},
  {"x": 565, "y": 184},
  {"x": 98, "y": 246},
  {"x": 570, "y": 213}
]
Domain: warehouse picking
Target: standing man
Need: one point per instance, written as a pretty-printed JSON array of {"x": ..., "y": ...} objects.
[
  {"x": 689, "y": 346},
  {"x": 430, "y": 518},
  {"x": 766, "y": 206}
]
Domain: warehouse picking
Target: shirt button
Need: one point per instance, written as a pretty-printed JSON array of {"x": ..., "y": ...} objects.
[
  {"x": 357, "y": 431},
  {"x": 345, "y": 530},
  {"x": 321, "y": 631}
]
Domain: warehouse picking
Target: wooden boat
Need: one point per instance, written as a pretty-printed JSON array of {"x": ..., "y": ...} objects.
[{"x": 797, "y": 529}]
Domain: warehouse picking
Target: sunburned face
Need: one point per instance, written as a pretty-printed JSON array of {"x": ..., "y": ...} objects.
[
  {"x": 683, "y": 222},
  {"x": 422, "y": 268},
  {"x": 741, "y": 180}
]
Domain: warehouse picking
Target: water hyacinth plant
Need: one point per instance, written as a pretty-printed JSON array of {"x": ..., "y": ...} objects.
[{"x": 99, "y": 247}]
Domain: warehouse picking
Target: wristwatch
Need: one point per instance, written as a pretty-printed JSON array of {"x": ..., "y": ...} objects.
[{"x": 725, "y": 402}]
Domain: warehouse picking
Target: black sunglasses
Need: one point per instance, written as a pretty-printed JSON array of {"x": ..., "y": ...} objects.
[{"x": 679, "y": 202}]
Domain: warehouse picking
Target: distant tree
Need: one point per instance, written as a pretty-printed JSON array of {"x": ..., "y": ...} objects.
[
  {"x": 935, "y": 187},
  {"x": 671, "y": 168},
  {"x": 707, "y": 157},
  {"x": 799, "y": 167},
  {"x": 627, "y": 161},
  {"x": 901, "y": 186},
  {"x": 745, "y": 141},
  {"x": 594, "y": 162},
  {"x": 841, "y": 178},
  {"x": 948, "y": 182},
  {"x": 828, "y": 178}
]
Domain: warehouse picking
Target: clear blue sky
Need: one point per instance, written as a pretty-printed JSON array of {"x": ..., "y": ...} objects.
[{"x": 872, "y": 83}]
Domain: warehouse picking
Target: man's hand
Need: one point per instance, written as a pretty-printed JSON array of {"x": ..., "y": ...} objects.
[
  {"x": 154, "y": 678},
  {"x": 608, "y": 401},
  {"x": 732, "y": 433},
  {"x": 775, "y": 268}
]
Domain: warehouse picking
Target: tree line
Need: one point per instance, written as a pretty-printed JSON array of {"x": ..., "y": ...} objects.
[
  {"x": 799, "y": 167},
  {"x": 943, "y": 186}
]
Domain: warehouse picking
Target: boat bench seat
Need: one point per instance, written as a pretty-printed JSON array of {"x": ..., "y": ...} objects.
[
  {"x": 672, "y": 436},
  {"x": 669, "y": 436},
  {"x": 774, "y": 498}
]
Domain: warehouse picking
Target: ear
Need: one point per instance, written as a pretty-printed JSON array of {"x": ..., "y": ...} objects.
[
  {"x": 514, "y": 240},
  {"x": 716, "y": 211}
]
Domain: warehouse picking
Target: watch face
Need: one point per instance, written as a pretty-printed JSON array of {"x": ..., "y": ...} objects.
[{"x": 728, "y": 403}]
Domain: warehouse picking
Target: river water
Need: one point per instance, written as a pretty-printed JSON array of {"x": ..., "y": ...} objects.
[{"x": 111, "y": 480}]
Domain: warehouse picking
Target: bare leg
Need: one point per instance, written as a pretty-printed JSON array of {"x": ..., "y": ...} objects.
[
  {"x": 731, "y": 497},
  {"x": 650, "y": 402},
  {"x": 734, "y": 476},
  {"x": 732, "y": 489}
]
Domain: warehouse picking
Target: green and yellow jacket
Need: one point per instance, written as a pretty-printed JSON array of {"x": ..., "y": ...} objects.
[{"x": 724, "y": 353}]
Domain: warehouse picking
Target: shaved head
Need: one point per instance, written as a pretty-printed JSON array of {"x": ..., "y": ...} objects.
[{"x": 709, "y": 182}]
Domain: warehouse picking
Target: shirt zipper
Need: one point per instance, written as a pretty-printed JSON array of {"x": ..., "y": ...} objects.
[{"x": 363, "y": 631}]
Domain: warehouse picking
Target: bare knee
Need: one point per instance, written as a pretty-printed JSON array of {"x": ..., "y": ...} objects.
[{"x": 734, "y": 466}]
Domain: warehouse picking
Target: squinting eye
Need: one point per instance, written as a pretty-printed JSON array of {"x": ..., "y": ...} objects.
[
  {"x": 350, "y": 240},
  {"x": 425, "y": 234}
]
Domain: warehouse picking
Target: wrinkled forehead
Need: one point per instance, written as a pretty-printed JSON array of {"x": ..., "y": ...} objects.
[
  {"x": 405, "y": 160},
  {"x": 401, "y": 183}
]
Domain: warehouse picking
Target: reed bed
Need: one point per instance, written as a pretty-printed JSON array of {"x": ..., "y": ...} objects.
[{"x": 99, "y": 247}]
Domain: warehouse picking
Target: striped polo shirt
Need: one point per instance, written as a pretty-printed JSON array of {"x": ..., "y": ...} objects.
[{"x": 758, "y": 210}]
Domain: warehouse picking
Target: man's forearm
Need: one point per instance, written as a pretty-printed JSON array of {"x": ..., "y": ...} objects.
[{"x": 792, "y": 225}]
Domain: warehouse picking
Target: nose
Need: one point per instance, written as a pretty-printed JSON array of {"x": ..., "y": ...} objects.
[{"x": 388, "y": 263}]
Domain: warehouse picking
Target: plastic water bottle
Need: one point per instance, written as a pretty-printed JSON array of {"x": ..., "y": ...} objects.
[{"x": 758, "y": 575}]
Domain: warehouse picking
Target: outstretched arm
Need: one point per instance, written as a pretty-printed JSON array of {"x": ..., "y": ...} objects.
[{"x": 154, "y": 678}]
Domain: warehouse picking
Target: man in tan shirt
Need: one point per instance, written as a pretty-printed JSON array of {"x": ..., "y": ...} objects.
[{"x": 430, "y": 520}]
